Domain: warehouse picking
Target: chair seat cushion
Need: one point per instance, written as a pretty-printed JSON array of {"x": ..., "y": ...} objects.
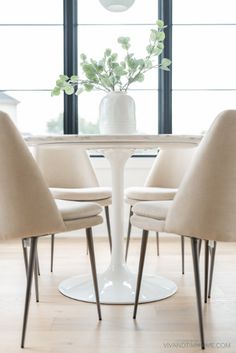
[
  {"x": 146, "y": 193},
  {"x": 82, "y": 194},
  {"x": 71, "y": 210},
  {"x": 146, "y": 223},
  {"x": 150, "y": 215},
  {"x": 152, "y": 209}
]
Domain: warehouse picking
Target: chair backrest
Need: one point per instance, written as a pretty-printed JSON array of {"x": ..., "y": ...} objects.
[
  {"x": 27, "y": 207},
  {"x": 66, "y": 166},
  {"x": 169, "y": 167},
  {"x": 205, "y": 204}
]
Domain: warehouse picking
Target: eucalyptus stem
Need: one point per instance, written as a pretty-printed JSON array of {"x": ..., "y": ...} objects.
[{"x": 109, "y": 74}]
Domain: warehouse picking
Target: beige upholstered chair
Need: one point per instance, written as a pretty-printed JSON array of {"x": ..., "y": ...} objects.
[
  {"x": 205, "y": 204},
  {"x": 70, "y": 176},
  {"x": 162, "y": 183},
  {"x": 28, "y": 210}
]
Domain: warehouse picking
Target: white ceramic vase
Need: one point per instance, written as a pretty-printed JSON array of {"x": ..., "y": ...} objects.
[{"x": 117, "y": 114}]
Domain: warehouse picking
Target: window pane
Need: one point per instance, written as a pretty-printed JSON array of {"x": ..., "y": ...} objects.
[
  {"x": 106, "y": 37},
  {"x": 193, "y": 112},
  {"x": 140, "y": 12},
  {"x": 204, "y": 11},
  {"x": 204, "y": 57},
  {"x": 146, "y": 111},
  {"x": 31, "y": 11},
  {"x": 31, "y": 57},
  {"x": 33, "y": 111}
]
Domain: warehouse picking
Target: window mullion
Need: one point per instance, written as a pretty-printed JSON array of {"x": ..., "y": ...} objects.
[
  {"x": 70, "y": 65},
  {"x": 165, "y": 77}
]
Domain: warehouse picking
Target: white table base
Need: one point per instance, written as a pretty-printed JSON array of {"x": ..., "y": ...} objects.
[
  {"x": 117, "y": 284},
  {"x": 118, "y": 287}
]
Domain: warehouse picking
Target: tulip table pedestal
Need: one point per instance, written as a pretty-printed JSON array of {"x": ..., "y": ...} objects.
[{"x": 117, "y": 284}]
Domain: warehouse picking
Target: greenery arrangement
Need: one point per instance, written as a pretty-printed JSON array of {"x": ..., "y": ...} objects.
[{"x": 109, "y": 74}]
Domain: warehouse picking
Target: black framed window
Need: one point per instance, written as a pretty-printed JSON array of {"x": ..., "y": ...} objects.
[
  {"x": 204, "y": 77},
  {"x": 31, "y": 35},
  {"x": 41, "y": 39},
  {"x": 98, "y": 30}
]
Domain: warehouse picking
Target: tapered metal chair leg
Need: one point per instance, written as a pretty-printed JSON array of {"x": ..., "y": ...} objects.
[
  {"x": 52, "y": 251},
  {"x": 158, "y": 244},
  {"x": 36, "y": 280},
  {"x": 128, "y": 234},
  {"x": 140, "y": 270},
  {"x": 89, "y": 236},
  {"x": 199, "y": 247},
  {"x": 195, "y": 254},
  {"x": 206, "y": 270},
  {"x": 213, "y": 253},
  {"x": 25, "y": 244},
  {"x": 31, "y": 268},
  {"x": 108, "y": 226},
  {"x": 182, "y": 253},
  {"x": 37, "y": 263},
  {"x": 25, "y": 254}
]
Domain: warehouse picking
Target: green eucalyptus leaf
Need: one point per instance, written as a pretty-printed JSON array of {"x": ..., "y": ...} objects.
[
  {"x": 119, "y": 71},
  {"x": 161, "y": 36},
  {"x": 148, "y": 64},
  {"x": 139, "y": 78},
  {"x": 153, "y": 35},
  {"x": 60, "y": 83},
  {"x": 165, "y": 62},
  {"x": 149, "y": 49},
  {"x": 114, "y": 56},
  {"x": 88, "y": 87},
  {"x": 63, "y": 77},
  {"x": 69, "y": 90},
  {"x": 157, "y": 51},
  {"x": 160, "y": 23},
  {"x": 107, "y": 52},
  {"x": 56, "y": 91},
  {"x": 74, "y": 78},
  {"x": 79, "y": 91},
  {"x": 106, "y": 82},
  {"x": 83, "y": 57},
  {"x": 165, "y": 68}
]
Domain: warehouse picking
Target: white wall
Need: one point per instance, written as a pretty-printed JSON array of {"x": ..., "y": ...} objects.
[{"x": 136, "y": 171}]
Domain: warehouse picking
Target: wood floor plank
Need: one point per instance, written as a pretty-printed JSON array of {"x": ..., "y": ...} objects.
[{"x": 60, "y": 325}]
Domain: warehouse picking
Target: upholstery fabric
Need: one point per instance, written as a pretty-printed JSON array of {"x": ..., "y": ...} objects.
[
  {"x": 83, "y": 194},
  {"x": 169, "y": 167},
  {"x": 66, "y": 166},
  {"x": 205, "y": 205},
  {"x": 71, "y": 210},
  {"x": 27, "y": 207},
  {"x": 147, "y": 223},
  {"x": 153, "y": 209},
  {"x": 83, "y": 223},
  {"x": 144, "y": 193}
]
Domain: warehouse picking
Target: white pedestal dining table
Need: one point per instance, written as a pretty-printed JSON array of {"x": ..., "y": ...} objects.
[{"x": 117, "y": 284}]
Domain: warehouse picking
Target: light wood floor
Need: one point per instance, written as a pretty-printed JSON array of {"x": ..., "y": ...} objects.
[{"x": 60, "y": 325}]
